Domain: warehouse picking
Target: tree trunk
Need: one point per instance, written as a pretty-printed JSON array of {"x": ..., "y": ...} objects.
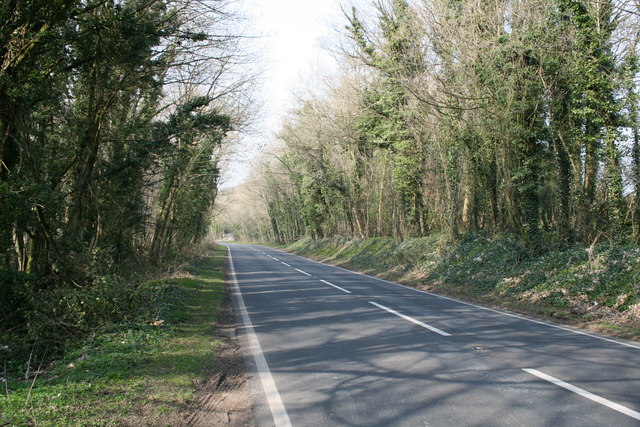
[
  {"x": 590, "y": 176},
  {"x": 91, "y": 144}
]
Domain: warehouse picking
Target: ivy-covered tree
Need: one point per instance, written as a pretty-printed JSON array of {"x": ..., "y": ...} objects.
[
  {"x": 189, "y": 175},
  {"x": 505, "y": 116},
  {"x": 388, "y": 122},
  {"x": 94, "y": 125}
]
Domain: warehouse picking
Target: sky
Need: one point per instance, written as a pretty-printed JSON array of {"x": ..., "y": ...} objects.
[{"x": 293, "y": 33}]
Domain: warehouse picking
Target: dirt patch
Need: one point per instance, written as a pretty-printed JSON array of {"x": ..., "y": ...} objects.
[{"x": 224, "y": 397}]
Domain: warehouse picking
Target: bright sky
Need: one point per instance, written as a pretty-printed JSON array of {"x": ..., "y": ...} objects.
[{"x": 294, "y": 32}]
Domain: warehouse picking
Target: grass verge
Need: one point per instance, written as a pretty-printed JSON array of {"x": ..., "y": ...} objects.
[
  {"x": 145, "y": 372},
  {"x": 595, "y": 288}
]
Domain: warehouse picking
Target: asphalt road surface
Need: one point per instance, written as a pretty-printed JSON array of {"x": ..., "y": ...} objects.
[{"x": 331, "y": 347}]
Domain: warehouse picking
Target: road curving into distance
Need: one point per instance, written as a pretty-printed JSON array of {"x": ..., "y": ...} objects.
[{"x": 328, "y": 346}]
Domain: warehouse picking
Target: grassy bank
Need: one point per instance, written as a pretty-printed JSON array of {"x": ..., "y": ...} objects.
[
  {"x": 598, "y": 289},
  {"x": 144, "y": 372}
]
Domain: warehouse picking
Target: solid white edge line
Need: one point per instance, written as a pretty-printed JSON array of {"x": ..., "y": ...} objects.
[
  {"x": 278, "y": 411},
  {"x": 411, "y": 319},
  {"x": 517, "y": 316},
  {"x": 303, "y": 272},
  {"x": 336, "y": 286},
  {"x": 606, "y": 402}
]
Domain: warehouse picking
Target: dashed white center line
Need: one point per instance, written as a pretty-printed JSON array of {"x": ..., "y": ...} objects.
[
  {"x": 336, "y": 286},
  {"x": 606, "y": 402},
  {"x": 303, "y": 272},
  {"x": 275, "y": 258},
  {"x": 284, "y": 263},
  {"x": 411, "y": 319}
]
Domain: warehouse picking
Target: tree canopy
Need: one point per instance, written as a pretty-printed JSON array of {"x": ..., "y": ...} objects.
[
  {"x": 456, "y": 116},
  {"x": 111, "y": 115}
]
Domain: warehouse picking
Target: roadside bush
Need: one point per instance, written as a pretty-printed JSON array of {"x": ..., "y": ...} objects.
[
  {"x": 13, "y": 298},
  {"x": 63, "y": 313}
]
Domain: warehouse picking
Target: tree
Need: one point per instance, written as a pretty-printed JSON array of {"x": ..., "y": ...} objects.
[
  {"x": 96, "y": 120},
  {"x": 189, "y": 175},
  {"x": 502, "y": 116},
  {"x": 397, "y": 58}
]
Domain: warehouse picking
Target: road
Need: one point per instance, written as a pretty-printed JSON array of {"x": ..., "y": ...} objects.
[{"x": 334, "y": 347}]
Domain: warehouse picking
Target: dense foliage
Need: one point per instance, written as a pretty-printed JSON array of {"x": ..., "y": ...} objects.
[
  {"x": 146, "y": 371},
  {"x": 111, "y": 112},
  {"x": 462, "y": 115}
]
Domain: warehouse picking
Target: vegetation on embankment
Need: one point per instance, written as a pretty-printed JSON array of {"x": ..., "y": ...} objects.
[
  {"x": 594, "y": 287},
  {"x": 143, "y": 370}
]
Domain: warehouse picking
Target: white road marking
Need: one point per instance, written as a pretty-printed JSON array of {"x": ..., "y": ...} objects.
[
  {"x": 411, "y": 319},
  {"x": 336, "y": 286},
  {"x": 505, "y": 313},
  {"x": 584, "y": 393},
  {"x": 303, "y": 272},
  {"x": 275, "y": 258},
  {"x": 278, "y": 411},
  {"x": 284, "y": 263}
]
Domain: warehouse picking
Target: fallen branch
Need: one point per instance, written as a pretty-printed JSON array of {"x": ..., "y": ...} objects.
[{"x": 35, "y": 376}]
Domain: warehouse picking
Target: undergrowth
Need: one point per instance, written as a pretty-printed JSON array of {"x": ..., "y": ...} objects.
[
  {"x": 140, "y": 371},
  {"x": 598, "y": 288}
]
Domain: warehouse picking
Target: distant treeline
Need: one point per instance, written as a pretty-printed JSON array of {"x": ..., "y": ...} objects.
[{"x": 464, "y": 115}]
